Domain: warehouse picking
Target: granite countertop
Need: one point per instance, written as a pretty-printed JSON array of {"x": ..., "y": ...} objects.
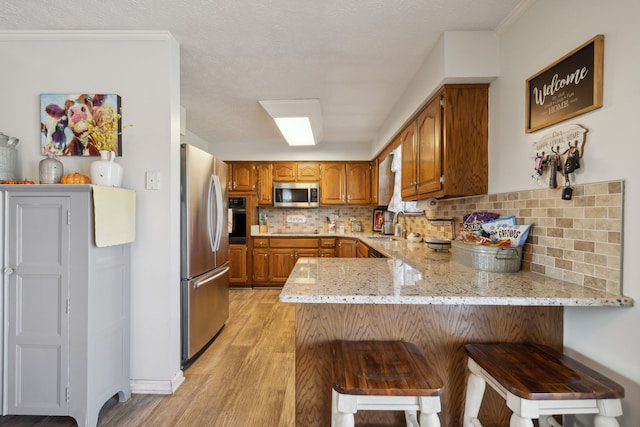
[{"x": 415, "y": 274}]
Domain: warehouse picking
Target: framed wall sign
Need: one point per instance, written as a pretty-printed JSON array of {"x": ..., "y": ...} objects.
[{"x": 567, "y": 88}]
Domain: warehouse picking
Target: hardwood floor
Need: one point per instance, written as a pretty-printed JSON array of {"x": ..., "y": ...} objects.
[{"x": 245, "y": 378}]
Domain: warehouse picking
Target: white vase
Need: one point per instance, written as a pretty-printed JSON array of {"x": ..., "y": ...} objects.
[{"x": 106, "y": 171}]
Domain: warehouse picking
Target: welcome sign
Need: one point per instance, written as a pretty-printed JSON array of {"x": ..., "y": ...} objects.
[{"x": 567, "y": 88}]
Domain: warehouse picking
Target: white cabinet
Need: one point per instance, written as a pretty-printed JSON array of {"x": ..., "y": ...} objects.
[{"x": 65, "y": 306}]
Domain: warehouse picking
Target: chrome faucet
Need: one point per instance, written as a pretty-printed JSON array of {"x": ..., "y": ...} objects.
[{"x": 403, "y": 231}]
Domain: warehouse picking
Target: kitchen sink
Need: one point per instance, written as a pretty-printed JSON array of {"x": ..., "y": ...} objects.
[{"x": 381, "y": 238}]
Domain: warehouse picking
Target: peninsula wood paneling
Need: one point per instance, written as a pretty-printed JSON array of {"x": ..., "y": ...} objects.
[{"x": 440, "y": 331}]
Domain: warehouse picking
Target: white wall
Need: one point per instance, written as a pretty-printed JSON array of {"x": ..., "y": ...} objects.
[
  {"x": 143, "y": 68},
  {"x": 546, "y": 31},
  {"x": 457, "y": 57}
]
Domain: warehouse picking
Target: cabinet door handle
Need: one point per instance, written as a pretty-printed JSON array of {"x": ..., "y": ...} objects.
[{"x": 8, "y": 270}]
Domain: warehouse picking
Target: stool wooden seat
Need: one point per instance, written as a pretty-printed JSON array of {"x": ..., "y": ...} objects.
[
  {"x": 385, "y": 376},
  {"x": 538, "y": 382}
]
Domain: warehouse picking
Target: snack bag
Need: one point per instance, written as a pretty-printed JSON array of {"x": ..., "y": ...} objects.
[
  {"x": 471, "y": 223},
  {"x": 516, "y": 233},
  {"x": 506, "y": 231},
  {"x": 490, "y": 227}
]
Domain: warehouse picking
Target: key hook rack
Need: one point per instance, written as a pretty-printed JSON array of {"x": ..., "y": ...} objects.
[{"x": 566, "y": 147}]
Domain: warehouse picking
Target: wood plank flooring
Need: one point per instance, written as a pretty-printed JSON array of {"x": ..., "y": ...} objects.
[{"x": 246, "y": 378}]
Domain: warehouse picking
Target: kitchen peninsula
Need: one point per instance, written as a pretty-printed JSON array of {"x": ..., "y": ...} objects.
[{"x": 423, "y": 297}]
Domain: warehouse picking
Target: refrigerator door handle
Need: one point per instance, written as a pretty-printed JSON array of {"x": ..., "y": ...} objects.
[
  {"x": 219, "y": 216},
  {"x": 209, "y": 279},
  {"x": 214, "y": 212}
]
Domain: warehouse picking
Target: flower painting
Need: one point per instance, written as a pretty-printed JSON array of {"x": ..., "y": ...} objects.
[{"x": 80, "y": 125}]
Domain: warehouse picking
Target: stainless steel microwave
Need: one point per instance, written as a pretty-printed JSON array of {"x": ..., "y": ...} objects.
[{"x": 296, "y": 195}]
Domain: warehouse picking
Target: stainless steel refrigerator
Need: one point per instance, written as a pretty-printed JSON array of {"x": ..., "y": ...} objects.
[{"x": 204, "y": 260}]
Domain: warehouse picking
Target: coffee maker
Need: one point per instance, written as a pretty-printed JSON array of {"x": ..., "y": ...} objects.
[{"x": 387, "y": 224}]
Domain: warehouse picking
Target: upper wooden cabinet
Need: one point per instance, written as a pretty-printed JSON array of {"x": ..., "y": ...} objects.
[
  {"x": 296, "y": 171},
  {"x": 333, "y": 183},
  {"x": 345, "y": 183},
  {"x": 265, "y": 184},
  {"x": 374, "y": 182},
  {"x": 409, "y": 160},
  {"x": 242, "y": 176},
  {"x": 358, "y": 183},
  {"x": 444, "y": 150}
]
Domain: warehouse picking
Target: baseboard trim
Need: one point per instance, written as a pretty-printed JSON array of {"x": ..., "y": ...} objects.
[{"x": 157, "y": 387}]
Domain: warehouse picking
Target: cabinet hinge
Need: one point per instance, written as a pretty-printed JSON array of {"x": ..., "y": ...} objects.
[
  {"x": 69, "y": 217},
  {"x": 68, "y": 395},
  {"x": 441, "y": 179},
  {"x": 442, "y": 102},
  {"x": 68, "y": 306}
]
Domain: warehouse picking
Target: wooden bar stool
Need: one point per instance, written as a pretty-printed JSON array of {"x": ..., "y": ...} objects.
[
  {"x": 383, "y": 376},
  {"x": 539, "y": 382}
]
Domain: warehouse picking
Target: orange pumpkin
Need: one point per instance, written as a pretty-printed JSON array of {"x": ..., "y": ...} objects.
[{"x": 75, "y": 178}]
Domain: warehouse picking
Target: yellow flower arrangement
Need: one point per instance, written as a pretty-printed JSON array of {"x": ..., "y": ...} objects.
[{"x": 104, "y": 135}]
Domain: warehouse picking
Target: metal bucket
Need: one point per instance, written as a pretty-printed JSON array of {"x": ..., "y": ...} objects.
[{"x": 8, "y": 163}]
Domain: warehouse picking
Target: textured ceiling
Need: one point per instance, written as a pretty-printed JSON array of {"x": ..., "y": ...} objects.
[{"x": 356, "y": 56}]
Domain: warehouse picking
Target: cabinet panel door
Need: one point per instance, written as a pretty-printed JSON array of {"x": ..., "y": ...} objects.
[
  {"x": 284, "y": 171},
  {"x": 429, "y": 131},
  {"x": 265, "y": 184},
  {"x": 332, "y": 186},
  {"x": 237, "y": 263},
  {"x": 358, "y": 183},
  {"x": 37, "y": 319},
  {"x": 308, "y": 171},
  {"x": 243, "y": 177},
  {"x": 281, "y": 264},
  {"x": 409, "y": 159},
  {"x": 347, "y": 248},
  {"x": 260, "y": 265}
]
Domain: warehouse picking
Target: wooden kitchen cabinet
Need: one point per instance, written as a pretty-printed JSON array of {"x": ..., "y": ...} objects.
[
  {"x": 274, "y": 257},
  {"x": 327, "y": 247},
  {"x": 345, "y": 183},
  {"x": 333, "y": 183},
  {"x": 66, "y": 348},
  {"x": 347, "y": 248},
  {"x": 265, "y": 184},
  {"x": 363, "y": 250},
  {"x": 242, "y": 177},
  {"x": 260, "y": 265},
  {"x": 358, "y": 183},
  {"x": 284, "y": 171},
  {"x": 445, "y": 149},
  {"x": 308, "y": 172},
  {"x": 374, "y": 183},
  {"x": 409, "y": 161},
  {"x": 284, "y": 252},
  {"x": 238, "y": 264},
  {"x": 296, "y": 172}
]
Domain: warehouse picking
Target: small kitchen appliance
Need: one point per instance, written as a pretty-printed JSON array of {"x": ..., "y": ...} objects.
[{"x": 387, "y": 224}]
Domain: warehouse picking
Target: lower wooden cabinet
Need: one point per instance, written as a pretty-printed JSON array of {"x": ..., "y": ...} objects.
[
  {"x": 238, "y": 265},
  {"x": 273, "y": 258},
  {"x": 363, "y": 250},
  {"x": 347, "y": 248}
]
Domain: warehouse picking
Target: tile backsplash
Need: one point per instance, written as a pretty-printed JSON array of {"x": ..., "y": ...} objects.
[{"x": 577, "y": 240}]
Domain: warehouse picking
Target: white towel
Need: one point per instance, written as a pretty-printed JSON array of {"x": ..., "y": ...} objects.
[
  {"x": 396, "y": 204},
  {"x": 114, "y": 215},
  {"x": 230, "y": 220}
]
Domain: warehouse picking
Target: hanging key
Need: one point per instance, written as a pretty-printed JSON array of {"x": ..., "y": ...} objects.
[
  {"x": 576, "y": 158},
  {"x": 567, "y": 191},
  {"x": 570, "y": 163}
]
